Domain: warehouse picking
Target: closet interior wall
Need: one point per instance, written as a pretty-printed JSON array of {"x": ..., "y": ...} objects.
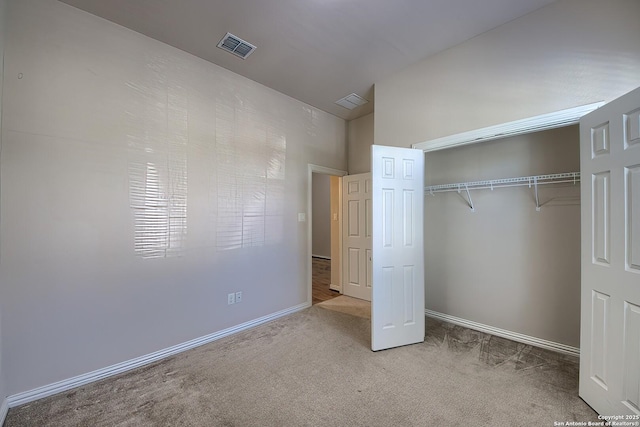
[{"x": 506, "y": 265}]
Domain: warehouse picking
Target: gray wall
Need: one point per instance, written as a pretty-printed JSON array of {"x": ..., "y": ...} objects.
[
  {"x": 3, "y": 388},
  {"x": 506, "y": 265},
  {"x": 110, "y": 134},
  {"x": 321, "y": 227},
  {"x": 359, "y": 143},
  {"x": 570, "y": 53}
]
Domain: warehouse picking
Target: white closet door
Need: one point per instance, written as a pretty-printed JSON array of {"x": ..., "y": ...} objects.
[
  {"x": 610, "y": 319},
  {"x": 397, "y": 306}
]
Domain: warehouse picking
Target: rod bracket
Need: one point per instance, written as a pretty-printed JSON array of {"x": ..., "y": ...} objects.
[
  {"x": 535, "y": 189},
  {"x": 469, "y": 200}
]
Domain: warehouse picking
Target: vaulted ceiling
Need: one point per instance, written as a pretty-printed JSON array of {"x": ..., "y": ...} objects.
[{"x": 316, "y": 51}]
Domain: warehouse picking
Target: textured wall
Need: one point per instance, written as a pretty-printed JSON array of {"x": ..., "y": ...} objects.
[
  {"x": 505, "y": 264},
  {"x": 140, "y": 185},
  {"x": 570, "y": 53}
]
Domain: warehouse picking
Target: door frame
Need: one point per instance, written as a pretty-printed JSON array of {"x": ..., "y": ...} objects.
[
  {"x": 311, "y": 169},
  {"x": 557, "y": 119}
]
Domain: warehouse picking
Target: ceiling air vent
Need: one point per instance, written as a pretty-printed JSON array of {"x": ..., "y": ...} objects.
[
  {"x": 351, "y": 101},
  {"x": 236, "y": 45}
]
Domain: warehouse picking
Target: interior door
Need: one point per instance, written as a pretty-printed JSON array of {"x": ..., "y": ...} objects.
[
  {"x": 397, "y": 306},
  {"x": 610, "y": 316},
  {"x": 356, "y": 205}
]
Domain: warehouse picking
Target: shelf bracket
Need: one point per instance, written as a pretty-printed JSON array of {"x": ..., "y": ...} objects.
[
  {"x": 468, "y": 200},
  {"x": 535, "y": 186}
]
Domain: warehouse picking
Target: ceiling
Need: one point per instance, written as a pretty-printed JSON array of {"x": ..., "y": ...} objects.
[{"x": 316, "y": 51}]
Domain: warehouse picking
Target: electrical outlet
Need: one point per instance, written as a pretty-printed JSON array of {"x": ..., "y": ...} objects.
[
  {"x": 231, "y": 298},
  {"x": 238, "y": 296}
]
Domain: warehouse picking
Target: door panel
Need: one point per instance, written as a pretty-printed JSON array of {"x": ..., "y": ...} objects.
[
  {"x": 599, "y": 338},
  {"x": 631, "y": 386},
  {"x": 354, "y": 266},
  {"x": 357, "y": 239},
  {"x": 353, "y": 216},
  {"x": 368, "y": 259},
  {"x": 632, "y": 225},
  {"x": 397, "y": 307},
  {"x": 601, "y": 217},
  {"x": 610, "y": 320}
]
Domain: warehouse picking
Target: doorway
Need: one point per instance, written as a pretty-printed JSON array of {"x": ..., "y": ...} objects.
[
  {"x": 324, "y": 250},
  {"x": 324, "y": 234},
  {"x": 397, "y": 313}
]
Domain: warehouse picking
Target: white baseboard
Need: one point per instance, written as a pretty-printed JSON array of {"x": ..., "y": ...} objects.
[
  {"x": 321, "y": 257},
  {"x": 515, "y": 336},
  {"x": 64, "y": 385},
  {"x": 4, "y": 409}
]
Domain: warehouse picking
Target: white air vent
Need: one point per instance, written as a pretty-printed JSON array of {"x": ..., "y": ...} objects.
[
  {"x": 351, "y": 101},
  {"x": 236, "y": 45}
]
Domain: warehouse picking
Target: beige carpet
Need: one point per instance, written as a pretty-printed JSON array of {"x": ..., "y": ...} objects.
[
  {"x": 348, "y": 305},
  {"x": 315, "y": 368}
]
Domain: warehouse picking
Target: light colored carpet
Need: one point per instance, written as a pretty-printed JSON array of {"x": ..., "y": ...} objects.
[
  {"x": 315, "y": 368},
  {"x": 348, "y": 305}
]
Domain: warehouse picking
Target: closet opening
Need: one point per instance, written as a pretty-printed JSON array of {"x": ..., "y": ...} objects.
[{"x": 502, "y": 231}]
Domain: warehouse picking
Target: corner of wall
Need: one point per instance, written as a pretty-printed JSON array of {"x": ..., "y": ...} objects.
[
  {"x": 359, "y": 142},
  {"x": 4, "y": 404},
  {"x": 4, "y": 407}
]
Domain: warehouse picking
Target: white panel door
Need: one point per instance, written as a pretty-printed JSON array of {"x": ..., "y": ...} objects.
[
  {"x": 397, "y": 306},
  {"x": 356, "y": 206},
  {"x": 610, "y": 319}
]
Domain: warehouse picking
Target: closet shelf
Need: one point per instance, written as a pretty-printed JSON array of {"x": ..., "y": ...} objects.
[
  {"x": 557, "y": 178},
  {"x": 530, "y": 181}
]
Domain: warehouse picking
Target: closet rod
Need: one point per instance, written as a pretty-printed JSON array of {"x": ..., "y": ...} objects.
[{"x": 558, "y": 178}]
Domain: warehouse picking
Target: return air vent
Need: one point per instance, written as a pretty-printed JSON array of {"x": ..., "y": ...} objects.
[
  {"x": 351, "y": 101},
  {"x": 236, "y": 45}
]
